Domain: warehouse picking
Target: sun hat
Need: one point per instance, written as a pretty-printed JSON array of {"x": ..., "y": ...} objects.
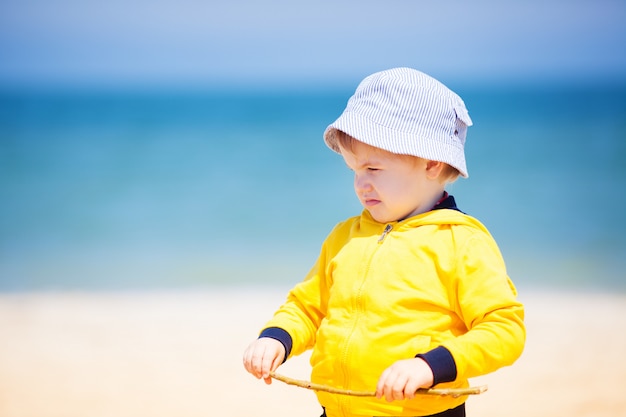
[{"x": 405, "y": 111}]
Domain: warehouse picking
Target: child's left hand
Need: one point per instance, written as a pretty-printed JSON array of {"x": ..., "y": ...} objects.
[{"x": 403, "y": 378}]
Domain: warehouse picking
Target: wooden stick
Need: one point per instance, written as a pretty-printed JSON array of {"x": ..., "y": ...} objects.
[{"x": 454, "y": 392}]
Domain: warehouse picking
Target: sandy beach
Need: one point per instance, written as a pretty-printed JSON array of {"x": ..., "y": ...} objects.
[{"x": 178, "y": 353}]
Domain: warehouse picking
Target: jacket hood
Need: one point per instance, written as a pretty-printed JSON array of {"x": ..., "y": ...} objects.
[{"x": 439, "y": 217}]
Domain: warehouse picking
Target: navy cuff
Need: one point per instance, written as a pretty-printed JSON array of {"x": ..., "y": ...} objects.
[
  {"x": 281, "y": 335},
  {"x": 442, "y": 364}
]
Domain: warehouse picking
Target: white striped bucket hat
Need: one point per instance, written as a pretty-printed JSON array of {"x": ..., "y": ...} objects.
[{"x": 405, "y": 111}]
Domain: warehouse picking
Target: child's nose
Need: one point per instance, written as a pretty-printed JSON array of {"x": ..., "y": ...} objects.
[{"x": 361, "y": 183}]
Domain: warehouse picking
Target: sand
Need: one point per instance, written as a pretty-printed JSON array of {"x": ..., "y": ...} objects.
[{"x": 178, "y": 353}]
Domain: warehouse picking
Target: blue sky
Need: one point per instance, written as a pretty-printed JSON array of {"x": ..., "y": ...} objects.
[{"x": 280, "y": 42}]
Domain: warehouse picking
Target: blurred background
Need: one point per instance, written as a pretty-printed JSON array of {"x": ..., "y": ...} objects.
[{"x": 161, "y": 144}]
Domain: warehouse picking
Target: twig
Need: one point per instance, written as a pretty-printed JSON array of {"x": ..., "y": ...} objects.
[{"x": 454, "y": 392}]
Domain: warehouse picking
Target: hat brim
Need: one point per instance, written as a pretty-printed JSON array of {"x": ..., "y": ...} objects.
[{"x": 398, "y": 142}]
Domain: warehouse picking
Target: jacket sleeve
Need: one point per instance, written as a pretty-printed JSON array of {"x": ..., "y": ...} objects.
[
  {"x": 301, "y": 314},
  {"x": 486, "y": 301}
]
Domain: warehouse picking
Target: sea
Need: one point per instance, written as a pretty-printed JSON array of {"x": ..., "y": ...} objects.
[{"x": 122, "y": 189}]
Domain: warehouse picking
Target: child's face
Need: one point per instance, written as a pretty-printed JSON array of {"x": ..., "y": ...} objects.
[{"x": 389, "y": 186}]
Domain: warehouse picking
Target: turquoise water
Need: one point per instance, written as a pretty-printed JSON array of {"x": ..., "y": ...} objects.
[{"x": 108, "y": 190}]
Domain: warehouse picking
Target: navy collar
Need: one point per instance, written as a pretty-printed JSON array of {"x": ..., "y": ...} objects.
[{"x": 446, "y": 202}]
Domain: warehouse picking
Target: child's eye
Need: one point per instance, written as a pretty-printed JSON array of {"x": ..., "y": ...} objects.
[{"x": 373, "y": 169}]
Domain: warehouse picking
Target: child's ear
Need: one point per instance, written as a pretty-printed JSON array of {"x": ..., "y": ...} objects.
[{"x": 433, "y": 169}]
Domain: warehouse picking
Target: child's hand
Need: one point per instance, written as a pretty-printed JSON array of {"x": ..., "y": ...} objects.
[
  {"x": 403, "y": 378},
  {"x": 263, "y": 356}
]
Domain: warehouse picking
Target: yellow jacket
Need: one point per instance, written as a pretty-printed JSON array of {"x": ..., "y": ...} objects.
[{"x": 379, "y": 293}]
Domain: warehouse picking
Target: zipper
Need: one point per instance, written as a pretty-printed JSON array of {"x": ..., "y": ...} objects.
[
  {"x": 344, "y": 401},
  {"x": 385, "y": 233}
]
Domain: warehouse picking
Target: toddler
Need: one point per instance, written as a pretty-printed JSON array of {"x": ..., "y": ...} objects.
[{"x": 412, "y": 293}]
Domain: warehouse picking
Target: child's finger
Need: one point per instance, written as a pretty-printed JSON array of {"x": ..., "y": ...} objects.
[
  {"x": 411, "y": 388},
  {"x": 271, "y": 356},
  {"x": 254, "y": 359}
]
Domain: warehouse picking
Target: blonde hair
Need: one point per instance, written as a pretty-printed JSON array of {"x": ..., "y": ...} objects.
[{"x": 448, "y": 174}]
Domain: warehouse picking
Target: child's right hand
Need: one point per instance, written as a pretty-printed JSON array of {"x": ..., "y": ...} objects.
[{"x": 263, "y": 356}]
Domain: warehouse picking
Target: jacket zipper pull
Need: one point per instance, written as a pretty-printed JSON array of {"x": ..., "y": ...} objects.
[{"x": 385, "y": 232}]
